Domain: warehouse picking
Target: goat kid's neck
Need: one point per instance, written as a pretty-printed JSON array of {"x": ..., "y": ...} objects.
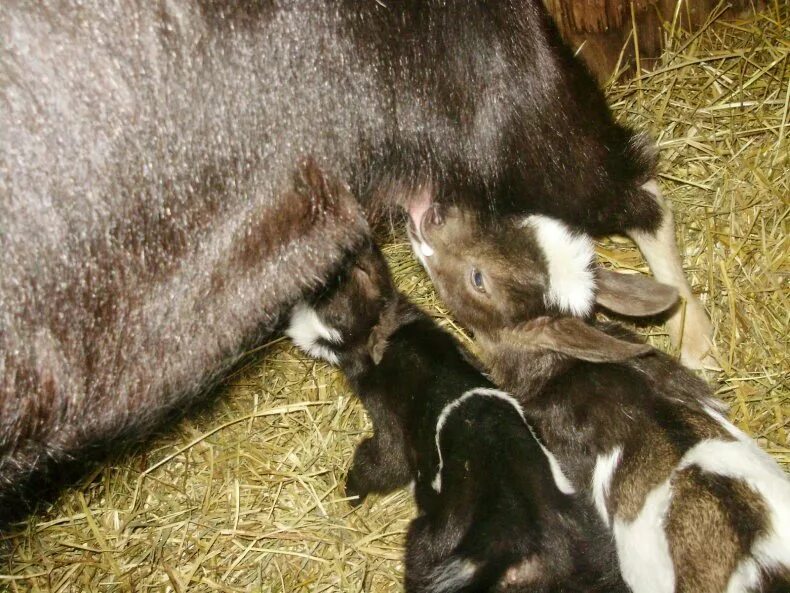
[
  {"x": 367, "y": 351},
  {"x": 520, "y": 370}
]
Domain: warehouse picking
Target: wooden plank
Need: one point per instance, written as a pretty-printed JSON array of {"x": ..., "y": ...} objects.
[{"x": 602, "y": 27}]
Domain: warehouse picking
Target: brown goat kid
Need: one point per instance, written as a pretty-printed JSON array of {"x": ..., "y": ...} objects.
[{"x": 695, "y": 506}]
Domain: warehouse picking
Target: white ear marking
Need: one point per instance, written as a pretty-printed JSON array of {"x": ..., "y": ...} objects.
[
  {"x": 569, "y": 257},
  {"x": 306, "y": 328}
]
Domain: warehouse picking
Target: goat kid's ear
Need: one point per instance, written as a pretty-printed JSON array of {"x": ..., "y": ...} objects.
[
  {"x": 380, "y": 335},
  {"x": 634, "y": 295},
  {"x": 366, "y": 282},
  {"x": 573, "y": 337},
  {"x": 377, "y": 344}
]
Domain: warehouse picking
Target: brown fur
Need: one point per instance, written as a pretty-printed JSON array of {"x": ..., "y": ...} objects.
[
  {"x": 651, "y": 455},
  {"x": 590, "y": 387},
  {"x": 647, "y": 461},
  {"x": 712, "y": 522}
]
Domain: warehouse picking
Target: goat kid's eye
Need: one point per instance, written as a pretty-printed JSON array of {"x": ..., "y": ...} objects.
[{"x": 477, "y": 280}]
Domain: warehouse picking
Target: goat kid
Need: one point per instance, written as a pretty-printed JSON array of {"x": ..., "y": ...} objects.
[
  {"x": 693, "y": 503},
  {"x": 495, "y": 511}
]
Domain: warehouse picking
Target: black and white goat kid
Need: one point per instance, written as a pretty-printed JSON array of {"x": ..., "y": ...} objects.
[
  {"x": 694, "y": 505},
  {"x": 496, "y": 513}
]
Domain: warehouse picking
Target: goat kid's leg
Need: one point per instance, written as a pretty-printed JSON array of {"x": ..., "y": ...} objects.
[
  {"x": 689, "y": 326},
  {"x": 379, "y": 466}
]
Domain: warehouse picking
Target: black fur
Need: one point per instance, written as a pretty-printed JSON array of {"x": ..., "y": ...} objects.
[
  {"x": 154, "y": 218},
  {"x": 498, "y": 504}
]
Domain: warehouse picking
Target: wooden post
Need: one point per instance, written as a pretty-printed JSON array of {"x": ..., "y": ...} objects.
[{"x": 602, "y": 27}]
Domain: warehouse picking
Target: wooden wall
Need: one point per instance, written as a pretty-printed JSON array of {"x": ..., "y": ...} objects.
[{"x": 605, "y": 25}]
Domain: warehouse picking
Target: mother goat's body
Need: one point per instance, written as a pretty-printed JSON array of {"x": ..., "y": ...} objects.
[{"x": 156, "y": 213}]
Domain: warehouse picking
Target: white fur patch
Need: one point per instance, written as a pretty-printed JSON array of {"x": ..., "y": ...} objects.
[
  {"x": 417, "y": 248},
  {"x": 562, "y": 482},
  {"x": 744, "y": 460},
  {"x": 652, "y": 187},
  {"x": 306, "y": 328},
  {"x": 746, "y": 577},
  {"x": 605, "y": 467},
  {"x": 560, "y": 479},
  {"x": 719, "y": 417},
  {"x": 569, "y": 257},
  {"x": 451, "y": 575},
  {"x": 528, "y": 571},
  {"x": 642, "y": 546}
]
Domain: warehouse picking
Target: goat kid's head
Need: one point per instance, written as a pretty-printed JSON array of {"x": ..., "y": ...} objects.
[
  {"x": 355, "y": 313},
  {"x": 532, "y": 275}
]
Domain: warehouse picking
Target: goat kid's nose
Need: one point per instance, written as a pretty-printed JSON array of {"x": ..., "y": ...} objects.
[{"x": 435, "y": 215}]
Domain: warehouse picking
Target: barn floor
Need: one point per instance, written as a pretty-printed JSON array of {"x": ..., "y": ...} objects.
[{"x": 250, "y": 497}]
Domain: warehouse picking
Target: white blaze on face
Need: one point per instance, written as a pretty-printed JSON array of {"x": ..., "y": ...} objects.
[
  {"x": 569, "y": 257},
  {"x": 306, "y": 329}
]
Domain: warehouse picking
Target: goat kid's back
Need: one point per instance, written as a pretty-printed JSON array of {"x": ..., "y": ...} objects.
[{"x": 694, "y": 504}]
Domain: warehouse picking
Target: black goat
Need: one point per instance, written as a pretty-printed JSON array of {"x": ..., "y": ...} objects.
[{"x": 157, "y": 213}]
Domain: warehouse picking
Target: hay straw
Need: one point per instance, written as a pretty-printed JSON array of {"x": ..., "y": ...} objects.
[{"x": 250, "y": 498}]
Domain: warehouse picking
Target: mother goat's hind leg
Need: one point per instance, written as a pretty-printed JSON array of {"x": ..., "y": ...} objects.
[{"x": 689, "y": 326}]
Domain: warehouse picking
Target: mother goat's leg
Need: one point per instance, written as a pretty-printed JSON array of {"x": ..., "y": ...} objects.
[{"x": 689, "y": 326}]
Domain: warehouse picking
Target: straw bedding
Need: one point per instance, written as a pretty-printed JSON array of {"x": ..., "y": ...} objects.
[{"x": 249, "y": 496}]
